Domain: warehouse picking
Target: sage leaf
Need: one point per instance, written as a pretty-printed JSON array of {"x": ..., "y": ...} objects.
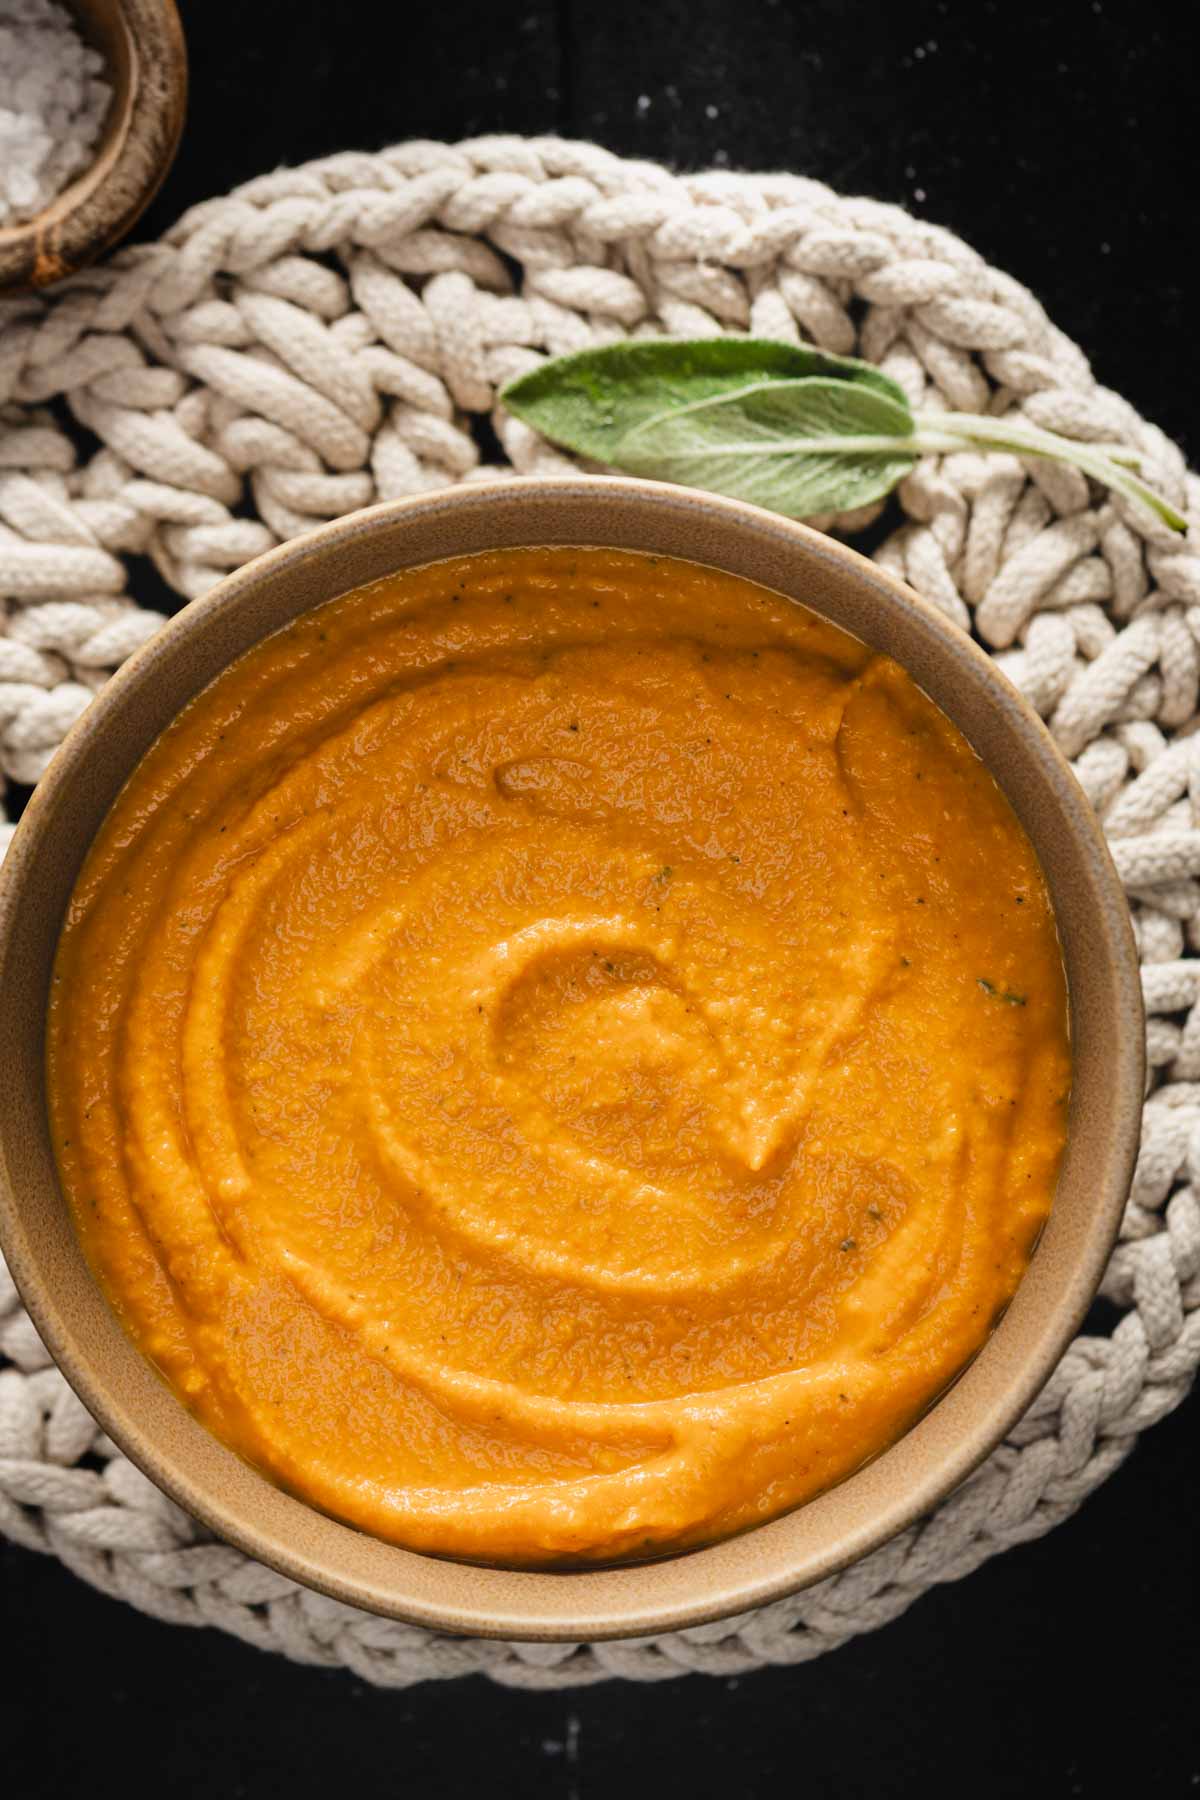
[
  {"x": 796, "y": 447},
  {"x": 788, "y": 427},
  {"x": 589, "y": 401}
]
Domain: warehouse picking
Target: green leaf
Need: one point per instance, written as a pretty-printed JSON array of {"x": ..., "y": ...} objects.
[
  {"x": 786, "y": 426},
  {"x": 589, "y": 401},
  {"x": 796, "y": 447}
]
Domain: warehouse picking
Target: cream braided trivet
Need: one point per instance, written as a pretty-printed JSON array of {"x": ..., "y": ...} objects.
[{"x": 333, "y": 335}]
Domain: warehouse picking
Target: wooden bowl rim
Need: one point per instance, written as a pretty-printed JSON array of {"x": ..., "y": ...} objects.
[{"x": 135, "y": 150}]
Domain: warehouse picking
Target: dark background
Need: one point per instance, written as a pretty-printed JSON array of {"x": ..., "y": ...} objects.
[{"x": 1057, "y": 146}]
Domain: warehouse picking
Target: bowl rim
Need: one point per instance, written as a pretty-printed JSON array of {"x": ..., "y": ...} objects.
[
  {"x": 138, "y": 139},
  {"x": 597, "y": 1603}
]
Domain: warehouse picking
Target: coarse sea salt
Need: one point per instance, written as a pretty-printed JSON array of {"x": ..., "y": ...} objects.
[{"x": 52, "y": 104}]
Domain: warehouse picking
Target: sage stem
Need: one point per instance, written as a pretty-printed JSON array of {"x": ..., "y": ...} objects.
[{"x": 948, "y": 432}]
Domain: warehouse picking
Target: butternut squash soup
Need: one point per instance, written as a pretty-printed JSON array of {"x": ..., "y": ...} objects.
[{"x": 559, "y": 1055}]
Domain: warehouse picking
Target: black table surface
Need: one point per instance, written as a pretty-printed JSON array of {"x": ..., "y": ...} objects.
[{"x": 1059, "y": 147}]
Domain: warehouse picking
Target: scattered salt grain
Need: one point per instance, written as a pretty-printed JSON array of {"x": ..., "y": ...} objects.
[{"x": 52, "y": 105}]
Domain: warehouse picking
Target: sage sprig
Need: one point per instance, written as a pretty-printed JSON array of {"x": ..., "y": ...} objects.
[{"x": 788, "y": 427}]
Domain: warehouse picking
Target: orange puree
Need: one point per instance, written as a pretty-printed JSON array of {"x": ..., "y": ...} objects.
[{"x": 559, "y": 1055}]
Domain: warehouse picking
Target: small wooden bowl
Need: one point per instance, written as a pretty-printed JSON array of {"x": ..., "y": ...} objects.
[
  {"x": 134, "y": 1405},
  {"x": 146, "y": 66}
]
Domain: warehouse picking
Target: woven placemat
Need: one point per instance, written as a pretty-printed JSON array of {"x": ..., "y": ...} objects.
[{"x": 336, "y": 334}]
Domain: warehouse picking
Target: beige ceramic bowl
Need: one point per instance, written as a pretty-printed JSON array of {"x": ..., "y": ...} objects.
[
  {"x": 141, "y": 42},
  {"x": 150, "y": 1424}
]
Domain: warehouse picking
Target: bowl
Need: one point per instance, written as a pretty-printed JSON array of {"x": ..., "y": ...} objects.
[
  {"x": 133, "y": 1404},
  {"x": 142, "y": 45}
]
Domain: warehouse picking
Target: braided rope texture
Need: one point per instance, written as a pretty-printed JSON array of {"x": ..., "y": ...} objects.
[{"x": 334, "y": 335}]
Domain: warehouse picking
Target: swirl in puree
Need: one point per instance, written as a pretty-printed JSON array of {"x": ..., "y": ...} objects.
[{"x": 559, "y": 1055}]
